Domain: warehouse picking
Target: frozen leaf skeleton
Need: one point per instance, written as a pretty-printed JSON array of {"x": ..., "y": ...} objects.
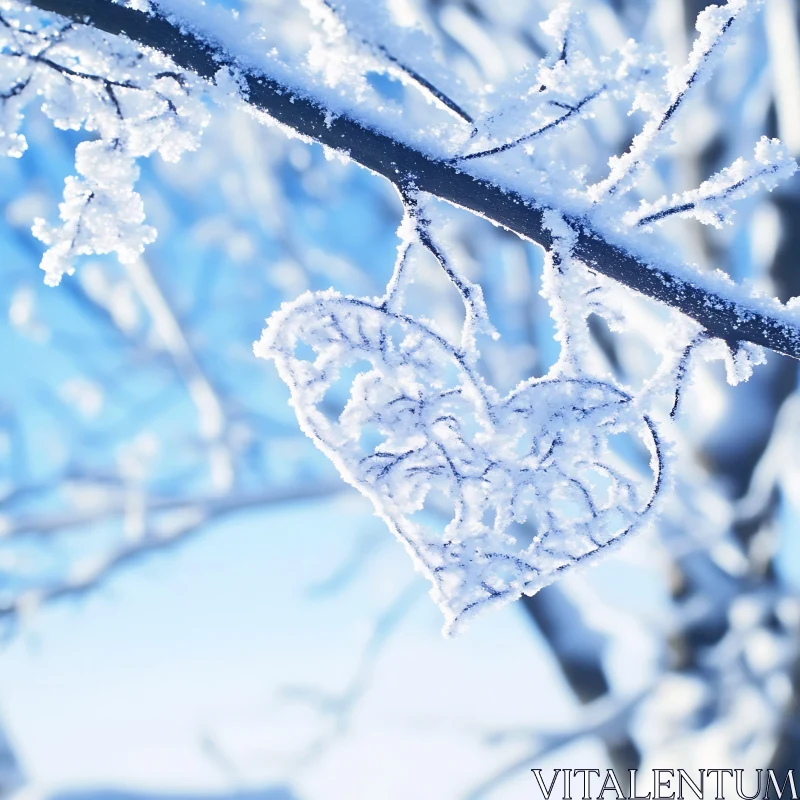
[{"x": 422, "y": 435}]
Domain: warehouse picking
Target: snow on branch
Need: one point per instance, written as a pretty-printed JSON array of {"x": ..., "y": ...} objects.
[
  {"x": 716, "y": 25},
  {"x": 711, "y": 202},
  {"x": 725, "y": 311},
  {"x": 563, "y": 90},
  {"x": 359, "y": 25}
]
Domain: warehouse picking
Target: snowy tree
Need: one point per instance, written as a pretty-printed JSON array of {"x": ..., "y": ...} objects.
[{"x": 427, "y": 385}]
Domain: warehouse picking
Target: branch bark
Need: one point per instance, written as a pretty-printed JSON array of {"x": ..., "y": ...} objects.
[{"x": 723, "y": 317}]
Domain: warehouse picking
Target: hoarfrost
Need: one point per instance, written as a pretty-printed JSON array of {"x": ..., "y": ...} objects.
[
  {"x": 493, "y": 494},
  {"x": 134, "y": 106}
]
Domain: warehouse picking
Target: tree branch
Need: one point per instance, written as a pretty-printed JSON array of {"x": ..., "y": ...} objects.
[
  {"x": 405, "y": 165},
  {"x": 570, "y": 111},
  {"x": 153, "y": 541},
  {"x": 422, "y": 83}
]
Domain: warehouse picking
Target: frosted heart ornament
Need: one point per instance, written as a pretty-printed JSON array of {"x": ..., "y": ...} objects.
[{"x": 493, "y": 496}]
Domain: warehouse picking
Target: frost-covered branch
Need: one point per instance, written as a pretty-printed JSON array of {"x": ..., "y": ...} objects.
[
  {"x": 137, "y": 107},
  {"x": 570, "y": 111},
  {"x": 183, "y": 517},
  {"x": 715, "y": 25},
  {"x": 711, "y": 202},
  {"x": 724, "y": 311},
  {"x": 406, "y": 71}
]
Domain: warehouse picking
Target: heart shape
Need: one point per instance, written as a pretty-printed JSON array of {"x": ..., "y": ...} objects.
[{"x": 422, "y": 431}]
